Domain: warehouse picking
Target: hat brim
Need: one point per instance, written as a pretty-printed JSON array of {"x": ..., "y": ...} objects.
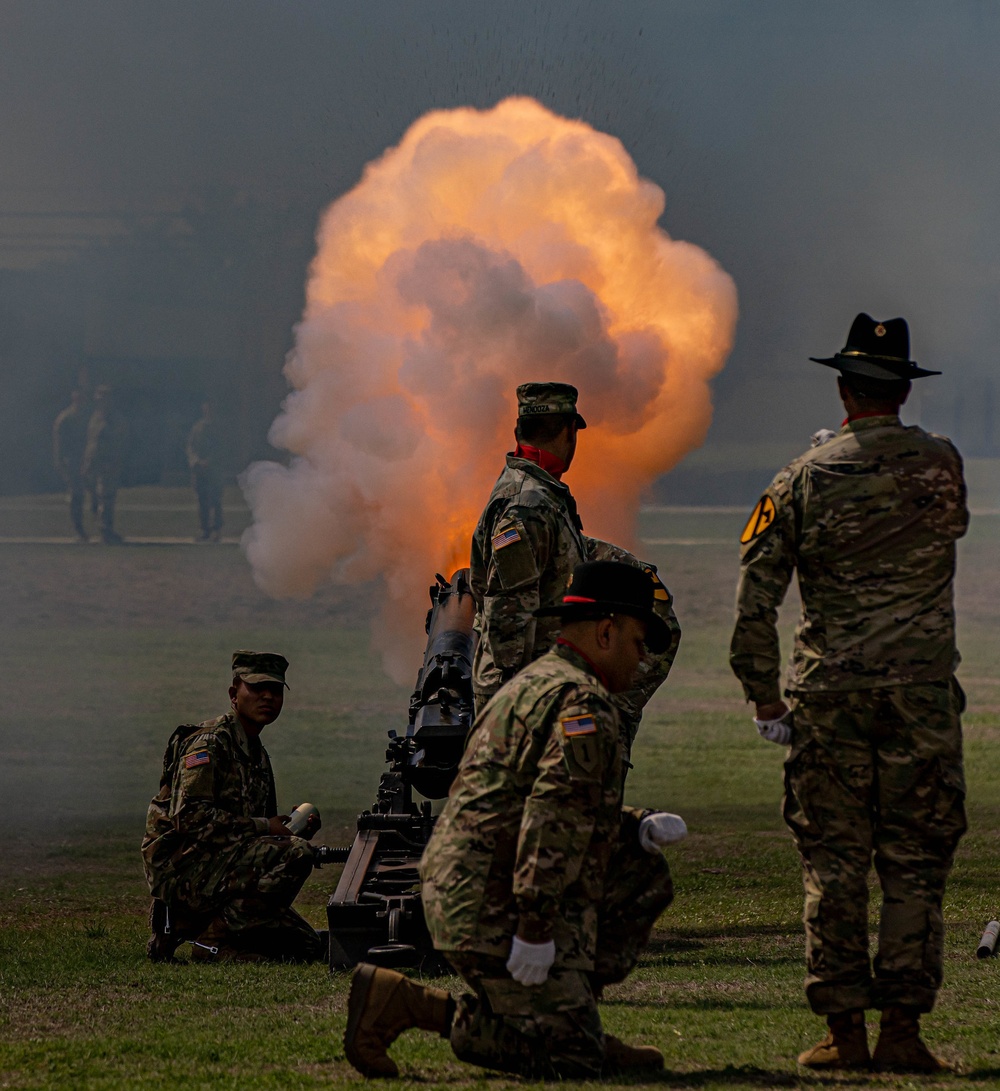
[
  {"x": 657, "y": 633},
  {"x": 873, "y": 368},
  {"x": 580, "y": 422},
  {"x": 256, "y": 679}
]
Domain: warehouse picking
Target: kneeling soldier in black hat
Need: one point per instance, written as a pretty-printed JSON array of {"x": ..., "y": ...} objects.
[
  {"x": 869, "y": 519},
  {"x": 221, "y": 864},
  {"x": 538, "y": 886}
]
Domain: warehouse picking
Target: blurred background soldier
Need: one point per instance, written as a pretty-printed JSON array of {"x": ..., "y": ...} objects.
[
  {"x": 206, "y": 475},
  {"x": 104, "y": 458},
  {"x": 527, "y": 543},
  {"x": 69, "y": 441},
  {"x": 222, "y": 867},
  {"x": 538, "y": 886},
  {"x": 869, "y": 519}
]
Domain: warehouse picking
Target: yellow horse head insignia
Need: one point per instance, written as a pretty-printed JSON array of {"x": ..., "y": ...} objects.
[{"x": 760, "y": 519}]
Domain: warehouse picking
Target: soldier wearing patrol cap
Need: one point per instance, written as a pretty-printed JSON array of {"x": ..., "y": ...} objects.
[
  {"x": 527, "y": 542},
  {"x": 538, "y": 885},
  {"x": 222, "y": 867},
  {"x": 869, "y": 520}
]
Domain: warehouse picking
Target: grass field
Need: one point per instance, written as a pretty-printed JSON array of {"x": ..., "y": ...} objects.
[{"x": 108, "y": 649}]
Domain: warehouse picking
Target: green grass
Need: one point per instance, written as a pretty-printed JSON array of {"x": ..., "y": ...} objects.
[{"x": 108, "y": 649}]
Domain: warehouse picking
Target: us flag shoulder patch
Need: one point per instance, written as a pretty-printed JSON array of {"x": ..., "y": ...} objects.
[
  {"x": 578, "y": 725},
  {"x": 506, "y": 537},
  {"x": 199, "y": 757}
]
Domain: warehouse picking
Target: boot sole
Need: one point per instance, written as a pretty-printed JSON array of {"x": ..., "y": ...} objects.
[{"x": 357, "y": 1001}]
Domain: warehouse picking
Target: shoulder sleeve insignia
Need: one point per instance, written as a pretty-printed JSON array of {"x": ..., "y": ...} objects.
[
  {"x": 760, "y": 519},
  {"x": 578, "y": 725},
  {"x": 506, "y": 537},
  {"x": 199, "y": 757}
]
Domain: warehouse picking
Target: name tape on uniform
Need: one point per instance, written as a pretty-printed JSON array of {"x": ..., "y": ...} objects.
[
  {"x": 506, "y": 537},
  {"x": 201, "y": 757},
  {"x": 578, "y": 725},
  {"x": 760, "y": 519}
]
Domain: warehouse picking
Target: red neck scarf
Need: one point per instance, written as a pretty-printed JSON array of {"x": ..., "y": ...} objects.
[{"x": 545, "y": 459}]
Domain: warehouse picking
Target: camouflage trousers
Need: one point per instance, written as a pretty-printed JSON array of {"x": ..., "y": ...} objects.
[
  {"x": 106, "y": 491},
  {"x": 553, "y": 1030},
  {"x": 249, "y": 889},
  {"x": 208, "y": 488},
  {"x": 875, "y": 775}
]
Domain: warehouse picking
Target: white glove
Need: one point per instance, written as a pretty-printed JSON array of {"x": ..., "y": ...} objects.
[
  {"x": 529, "y": 963},
  {"x": 824, "y": 435},
  {"x": 779, "y": 730},
  {"x": 659, "y": 829}
]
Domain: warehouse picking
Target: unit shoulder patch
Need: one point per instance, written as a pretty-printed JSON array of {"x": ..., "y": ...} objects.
[{"x": 761, "y": 518}]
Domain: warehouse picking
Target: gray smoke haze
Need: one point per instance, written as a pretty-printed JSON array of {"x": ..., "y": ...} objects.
[{"x": 833, "y": 157}]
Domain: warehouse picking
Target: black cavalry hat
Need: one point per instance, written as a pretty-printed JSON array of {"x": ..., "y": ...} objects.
[
  {"x": 603, "y": 588},
  {"x": 880, "y": 350}
]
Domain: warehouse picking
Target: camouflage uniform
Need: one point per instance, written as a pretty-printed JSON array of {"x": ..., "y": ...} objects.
[
  {"x": 534, "y": 841},
  {"x": 869, "y": 519},
  {"x": 69, "y": 440},
  {"x": 207, "y": 849},
  {"x": 528, "y": 541},
  {"x": 654, "y": 668},
  {"x": 202, "y": 452},
  {"x": 103, "y": 461}
]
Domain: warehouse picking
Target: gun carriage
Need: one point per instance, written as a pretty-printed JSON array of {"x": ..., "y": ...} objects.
[{"x": 375, "y": 914}]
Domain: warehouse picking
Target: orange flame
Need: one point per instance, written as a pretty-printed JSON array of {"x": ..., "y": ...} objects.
[{"x": 487, "y": 249}]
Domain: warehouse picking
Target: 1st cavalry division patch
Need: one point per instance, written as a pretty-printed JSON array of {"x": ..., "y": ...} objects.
[
  {"x": 760, "y": 519},
  {"x": 578, "y": 725}
]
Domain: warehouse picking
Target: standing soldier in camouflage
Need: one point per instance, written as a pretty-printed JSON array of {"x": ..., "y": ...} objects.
[
  {"x": 104, "y": 459},
  {"x": 221, "y": 865},
  {"x": 202, "y": 450},
  {"x": 538, "y": 886},
  {"x": 869, "y": 519},
  {"x": 526, "y": 545},
  {"x": 69, "y": 441}
]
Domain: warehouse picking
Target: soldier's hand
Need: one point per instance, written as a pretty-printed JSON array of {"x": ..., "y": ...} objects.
[
  {"x": 276, "y": 826},
  {"x": 529, "y": 963},
  {"x": 659, "y": 829},
  {"x": 777, "y": 729}
]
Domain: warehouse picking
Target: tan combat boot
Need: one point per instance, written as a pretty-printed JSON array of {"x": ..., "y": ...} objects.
[
  {"x": 619, "y": 1057},
  {"x": 845, "y": 1046},
  {"x": 382, "y": 1004},
  {"x": 899, "y": 1047}
]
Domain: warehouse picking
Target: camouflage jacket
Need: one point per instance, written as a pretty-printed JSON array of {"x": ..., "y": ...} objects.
[
  {"x": 869, "y": 519},
  {"x": 105, "y": 448},
  {"x": 202, "y": 447},
  {"x": 524, "y": 841},
  {"x": 528, "y": 541},
  {"x": 69, "y": 440},
  {"x": 653, "y": 669},
  {"x": 216, "y": 791}
]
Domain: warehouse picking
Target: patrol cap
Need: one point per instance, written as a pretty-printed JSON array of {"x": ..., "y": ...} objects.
[
  {"x": 601, "y": 588},
  {"x": 878, "y": 350},
  {"x": 253, "y": 667},
  {"x": 536, "y": 399}
]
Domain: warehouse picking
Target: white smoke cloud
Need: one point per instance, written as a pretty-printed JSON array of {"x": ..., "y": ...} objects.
[{"x": 488, "y": 249}]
